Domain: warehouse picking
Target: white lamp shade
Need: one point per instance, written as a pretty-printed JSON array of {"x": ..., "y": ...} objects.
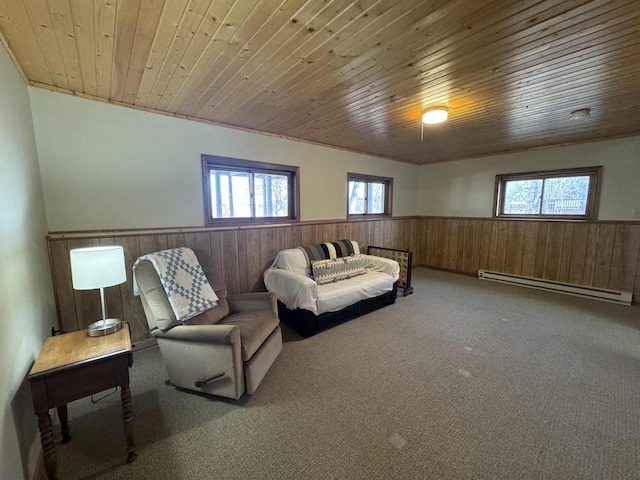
[
  {"x": 435, "y": 115},
  {"x": 97, "y": 267}
]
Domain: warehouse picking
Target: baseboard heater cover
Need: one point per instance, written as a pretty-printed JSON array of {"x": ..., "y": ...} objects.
[{"x": 613, "y": 296}]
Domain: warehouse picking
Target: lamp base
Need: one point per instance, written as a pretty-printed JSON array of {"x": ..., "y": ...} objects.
[{"x": 104, "y": 327}]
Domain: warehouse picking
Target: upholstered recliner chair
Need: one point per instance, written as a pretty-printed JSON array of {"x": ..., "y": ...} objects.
[{"x": 224, "y": 351}]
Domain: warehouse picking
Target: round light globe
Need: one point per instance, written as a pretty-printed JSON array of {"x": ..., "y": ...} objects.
[{"x": 435, "y": 115}]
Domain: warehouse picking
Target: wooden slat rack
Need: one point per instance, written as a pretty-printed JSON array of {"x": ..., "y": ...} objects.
[{"x": 403, "y": 257}]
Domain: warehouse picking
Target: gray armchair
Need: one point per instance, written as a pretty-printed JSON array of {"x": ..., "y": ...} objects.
[{"x": 224, "y": 351}]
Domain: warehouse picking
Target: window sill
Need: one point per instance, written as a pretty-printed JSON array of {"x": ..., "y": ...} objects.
[
  {"x": 251, "y": 223},
  {"x": 546, "y": 218},
  {"x": 368, "y": 216}
]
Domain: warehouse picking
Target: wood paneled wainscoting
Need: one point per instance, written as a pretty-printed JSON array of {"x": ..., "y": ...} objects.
[
  {"x": 596, "y": 254},
  {"x": 242, "y": 253}
]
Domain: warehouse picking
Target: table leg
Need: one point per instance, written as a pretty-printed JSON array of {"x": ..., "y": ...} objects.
[
  {"x": 48, "y": 449},
  {"x": 64, "y": 425},
  {"x": 125, "y": 394}
]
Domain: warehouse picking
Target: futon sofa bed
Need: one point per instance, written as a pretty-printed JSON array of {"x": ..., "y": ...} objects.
[{"x": 320, "y": 285}]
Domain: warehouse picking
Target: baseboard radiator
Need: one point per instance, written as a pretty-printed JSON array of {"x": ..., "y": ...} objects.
[{"x": 613, "y": 296}]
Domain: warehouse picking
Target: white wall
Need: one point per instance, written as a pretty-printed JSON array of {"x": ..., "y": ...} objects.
[
  {"x": 106, "y": 166},
  {"x": 465, "y": 188},
  {"x": 27, "y": 309}
]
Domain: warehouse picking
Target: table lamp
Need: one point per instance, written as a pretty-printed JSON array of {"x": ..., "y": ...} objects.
[{"x": 99, "y": 267}]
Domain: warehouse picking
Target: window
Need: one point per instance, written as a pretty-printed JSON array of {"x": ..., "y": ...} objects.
[
  {"x": 566, "y": 194},
  {"x": 240, "y": 191},
  {"x": 368, "y": 195}
]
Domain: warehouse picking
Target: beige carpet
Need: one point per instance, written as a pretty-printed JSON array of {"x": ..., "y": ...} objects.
[{"x": 462, "y": 379}]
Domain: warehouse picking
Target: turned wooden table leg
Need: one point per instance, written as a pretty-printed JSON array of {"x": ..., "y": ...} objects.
[
  {"x": 64, "y": 424},
  {"x": 127, "y": 415},
  {"x": 48, "y": 449}
]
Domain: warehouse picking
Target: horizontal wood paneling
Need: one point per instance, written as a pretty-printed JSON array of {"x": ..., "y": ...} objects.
[
  {"x": 355, "y": 74},
  {"x": 596, "y": 254},
  {"x": 241, "y": 254},
  {"x": 599, "y": 254}
]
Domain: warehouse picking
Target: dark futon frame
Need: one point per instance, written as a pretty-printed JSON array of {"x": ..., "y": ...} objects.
[{"x": 307, "y": 324}]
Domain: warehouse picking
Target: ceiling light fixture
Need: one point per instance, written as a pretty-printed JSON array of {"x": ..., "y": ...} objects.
[{"x": 433, "y": 115}]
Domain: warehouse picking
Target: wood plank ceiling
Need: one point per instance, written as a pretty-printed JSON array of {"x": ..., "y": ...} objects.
[{"x": 353, "y": 74}]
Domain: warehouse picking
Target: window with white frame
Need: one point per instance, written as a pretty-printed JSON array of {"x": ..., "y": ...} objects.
[
  {"x": 242, "y": 191},
  {"x": 567, "y": 194},
  {"x": 368, "y": 195}
]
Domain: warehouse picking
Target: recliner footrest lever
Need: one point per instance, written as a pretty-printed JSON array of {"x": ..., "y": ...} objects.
[{"x": 201, "y": 382}]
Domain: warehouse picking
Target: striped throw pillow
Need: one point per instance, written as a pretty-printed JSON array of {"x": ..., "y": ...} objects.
[
  {"x": 334, "y": 270},
  {"x": 322, "y": 251}
]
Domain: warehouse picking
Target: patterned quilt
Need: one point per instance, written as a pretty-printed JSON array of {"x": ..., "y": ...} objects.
[{"x": 184, "y": 281}]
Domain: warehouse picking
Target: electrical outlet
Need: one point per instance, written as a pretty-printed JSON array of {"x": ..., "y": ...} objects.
[{"x": 635, "y": 213}]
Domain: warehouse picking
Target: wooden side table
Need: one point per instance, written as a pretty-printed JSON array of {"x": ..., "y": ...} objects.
[{"x": 72, "y": 366}]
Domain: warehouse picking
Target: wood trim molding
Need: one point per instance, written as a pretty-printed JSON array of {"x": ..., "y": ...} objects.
[
  {"x": 442, "y": 269},
  {"x": 167, "y": 230},
  {"x": 531, "y": 149},
  {"x": 65, "y": 91},
  {"x": 7, "y": 47},
  {"x": 503, "y": 219},
  {"x": 53, "y": 88}
]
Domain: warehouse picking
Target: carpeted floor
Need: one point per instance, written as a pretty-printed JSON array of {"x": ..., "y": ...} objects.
[{"x": 463, "y": 379}]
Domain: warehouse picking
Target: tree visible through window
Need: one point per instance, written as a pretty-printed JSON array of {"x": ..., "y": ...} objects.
[
  {"x": 368, "y": 195},
  {"x": 559, "y": 193},
  {"x": 238, "y": 191}
]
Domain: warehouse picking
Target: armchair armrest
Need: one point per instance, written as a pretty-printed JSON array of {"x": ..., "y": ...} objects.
[
  {"x": 292, "y": 289},
  {"x": 220, "y": 334},
  {"x": 381, "y": 264},
  {"x": 246, "y": 302}
]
